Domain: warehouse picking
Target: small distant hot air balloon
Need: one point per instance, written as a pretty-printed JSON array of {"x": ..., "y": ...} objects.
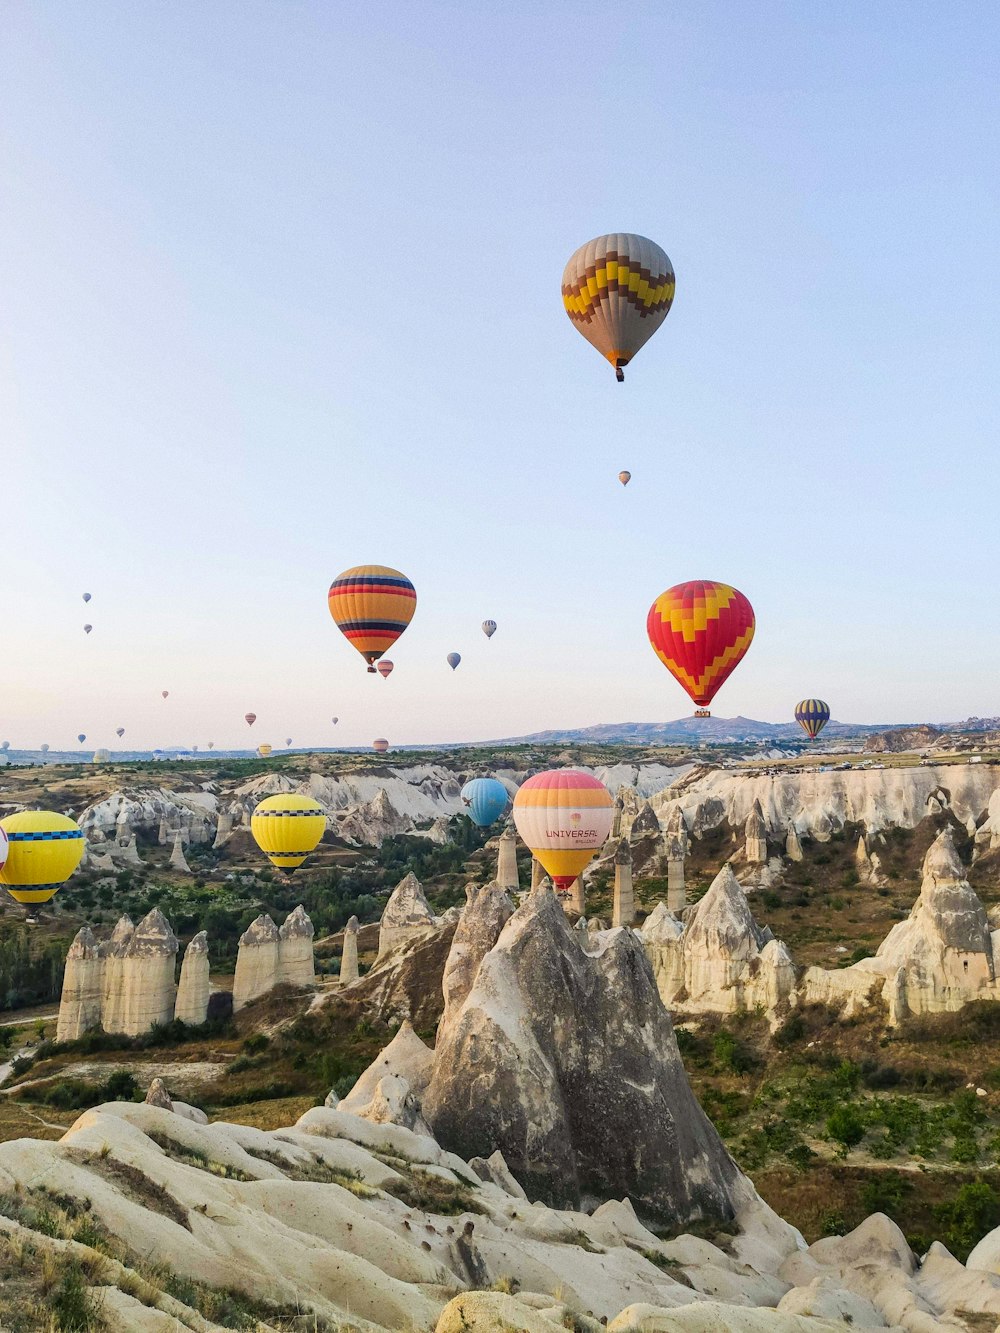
[
  {"x": 249, "y": 718},
  {"x": 453, "y": 660},
  {"x": 81, "y": 738},
  {"x": 287, "y": 828},
  {"x": 485, "y": 800},
  {"x": 380, "y": 746},
  {"x": 44, "y": 749},
  {"x": 384, "y": 668},
  {"x": 812, "y": 715},
  {"x": 489, "y": 628},
  {"x": 5, "y": 746},
  {"x": 43, "y": 849},
  {"x": 211, "y": 745},
  {"x": 624, "y": 478},
  {"x": 617, "y": 290},
  {"x": 86, "y": 596},
  {"x": 564, "y": 816},
  {"x": 263, "y": 751},
  {"x": 87, "y": 629},
  {"x": 102, "y": 756},
  {"x": 335, "y": 720},
  {"x": 120, "y": 732},
  {"x": 288, "y": 740},
  {"x": 372, "y": 605},
  {"x": 700, "y": 631},
  {"x": 165, "y": 693}
]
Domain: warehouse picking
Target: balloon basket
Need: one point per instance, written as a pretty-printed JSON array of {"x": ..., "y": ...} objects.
[{"x": 702, "y": 712}]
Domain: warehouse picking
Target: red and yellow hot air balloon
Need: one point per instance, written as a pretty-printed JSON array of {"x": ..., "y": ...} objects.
[
  {"x": 700, "y": 631},
  {"x": 372, "y": 605},
  {"x": 564, "y": 816}
]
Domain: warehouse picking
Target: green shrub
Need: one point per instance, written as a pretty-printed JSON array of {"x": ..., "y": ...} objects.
[{"x": 845, "y": 1126}]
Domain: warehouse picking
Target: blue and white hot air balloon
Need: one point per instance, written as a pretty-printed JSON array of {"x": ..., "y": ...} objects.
[{"x": 485, "y": 800}]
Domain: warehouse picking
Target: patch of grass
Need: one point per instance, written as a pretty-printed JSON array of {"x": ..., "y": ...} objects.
[
  {"x": 188, "y": 1156},
  {"x": 135, "y": 1184},
  {"x": 432, "y": 1194}
]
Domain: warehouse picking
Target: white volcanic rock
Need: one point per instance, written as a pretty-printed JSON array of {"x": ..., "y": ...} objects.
[
  {"x": 662, "y": 938},
  {"x": 148, "y": 990},
  {"x": 296, "y": 965},
  {"x": 224, "y": 829},
  {"x": 391, "y": 1088},
  {"x": 847, "y": 989},
  {"x": 793, "y": 844},
  {"x": 675, "y": 838},
  {"x": 124, "y": 851},
  {"x": 507, "y": 876},
  {"x": 755, "y": 835},
  {"x": 113, "y": 980},
  {"x": 258, "y": 968},
  {"x": 143, "y": 810},
  {"x": 349, "y": 954},
  {"x": 178, "y": 861},
  {"x": 562, "y": 1100},
  {"x": 623, "y": 900},
  {"x": 370, "y": 824},
  {"x": 80, "y": 1002},
  {"x": 406, "y": 913},
  {"x": 476, "y": 933},
  {"x": 191, "y": 1006},
  {"x": 157, "y": 1095}
]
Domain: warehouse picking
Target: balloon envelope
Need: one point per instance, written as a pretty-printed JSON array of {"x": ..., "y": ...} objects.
[
  {"x": 43, "y": 850},
  {"x": 5, "y": 746},
  {"x": 453, "y": 660},
  {"x": 335, "y": 720},
  {"x": 700, "y": 631},
  {"x": 372, "y": 605},
  {"x": 564, "y": 816},
  {"x": 249, "y": 718},
  {"x": 385, "y": 668},
  {"x": 164, "y": 693},
  {"x": 617, "y": 290},
  {"x": 287, "y": 828},
  {"x": 86, "y": 596},
  {"x": 120, "y": 732},
  {"x": 489, "y": 628},
  {"x": 380, "y": 746},
  {"x": 288, "y": 740},
  {"x": 87, "y": 629},
  {"x": 44, "y": 749},
  {"x": 624, "y": 478},
  {"x": 263, "y": 751},
  {"x": 211, "y": 745},
  {"x": 485, "y": 800},
  {"x": 81, "y": 738},
  {"x": 812, "y": 715}
]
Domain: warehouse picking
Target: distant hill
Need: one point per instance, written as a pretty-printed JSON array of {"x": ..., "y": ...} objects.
[{"x": 686, "y": 730}]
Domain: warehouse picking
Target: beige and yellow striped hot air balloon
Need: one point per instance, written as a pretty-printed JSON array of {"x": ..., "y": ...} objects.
[{"x": 617, "y": 290}]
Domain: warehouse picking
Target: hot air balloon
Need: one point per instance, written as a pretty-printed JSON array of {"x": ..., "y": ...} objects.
[
  {"x": 380, "y": 746},
  {"x": 249, "y": 718},
  {"x": 288, "y": 740},
  {"x": 87, "y": 629},
  {"x": 700, "y": 631},
  {"x": 263, "y": 751},
  {"x": 564, "y": 816},
  {"x": 120, "y": 732},
  {"x": 485, "y": 800},
  {"x": 489, "y": 628},
  {"x": 812, "y": 715},
  {"x": 287, "y": 828},
  {"x": 372, "y": 605},
  {"x": 624, "y": 478},
  {"x": 165, "y": 693},
  {"x": 453, "y": 660},
  {"x": 211, "y": 745},
  {"x": 86, "y": 596},
  {"x": 44, "y": 749},
  {"x": 5, "y": 746},
  {"x": 101, "y": 757},
  {"x": 335, "y": 720},
  {"x": 44, "y": 848},
  {"x": 81, "y": 738},
  {"x": 617, "y": 290},
  {"x": 384, "y": 668}
]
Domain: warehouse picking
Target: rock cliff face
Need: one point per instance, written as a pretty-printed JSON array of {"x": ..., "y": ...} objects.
[
  {"x": 556, "y": 1053},
  {"x": 901, "y": 738},
  {"x": 148, "y": 991},
  {"x": 407, "y": 912},
  {"x": 80, "y": 1005},
  {"x": 193, "y": 988}
]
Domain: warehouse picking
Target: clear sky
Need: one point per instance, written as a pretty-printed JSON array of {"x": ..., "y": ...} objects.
[{"x": 280, "y": 295}]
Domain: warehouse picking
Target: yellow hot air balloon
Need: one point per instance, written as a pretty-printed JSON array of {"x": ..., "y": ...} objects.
[
  {"x": 617, "y": 290},
  {"x": 44, "y": 850},
  {"x": 263, "y": 751},
  {"x": 287, "y": 828}
]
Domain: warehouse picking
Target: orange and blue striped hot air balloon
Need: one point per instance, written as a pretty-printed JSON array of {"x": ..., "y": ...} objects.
[
  {"x": 564, "y": 816},
  {"x": 372, "y": 605},
  {"x": 700, "y": 631},
  {"x": 812, "y": 715}
]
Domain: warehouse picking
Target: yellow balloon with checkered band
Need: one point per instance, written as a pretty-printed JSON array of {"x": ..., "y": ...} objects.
[
  {"x": 617, "y": 290},
  {"x": 287, "y": 828},
  {"x": 43, "y": 850}
]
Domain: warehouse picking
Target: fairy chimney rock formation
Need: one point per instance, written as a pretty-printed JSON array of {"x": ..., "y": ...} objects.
[
  {"x": 407, "y": 915},
  {"x": 295, "y": 949},
  {"x": 257, "y": 962},
  {"x": 662, "y": 938},
  {"x": 591, "y": 1107},
  {"x": 676, "y": 840},
  {"x": 507, "y": 860},
  {"x": 178, "y": 861},
  {"x": 623, "y": 905},
  {"x": 157, "y": 1095},
  {"x": 645, "y": 823},
  {"x": 537, "y": 872},
  {"x": 223, "y": 830},
  {"x": 576, "y": 899},
  {"x": 193, "y": 988},
  {"x": 125, "y": 851},
  {"x": 113, "y": 980},
  {"x": 755, "y": 832},
  {"x": 148, "y": 990},
  {"x": 80, "y": 1002},
  {"x": 349, "y": 953},
  {"x": 793, "y": 845},
  {"x": 488, "y": 909},
  {"x": 861, "y": 856}
]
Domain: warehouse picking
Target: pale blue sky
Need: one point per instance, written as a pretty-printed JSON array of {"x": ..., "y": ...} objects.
[{"x": 281, "y": 295}]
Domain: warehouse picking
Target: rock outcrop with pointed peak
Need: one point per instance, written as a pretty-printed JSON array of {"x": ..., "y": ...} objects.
[{"x": 406, "y": 913}]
